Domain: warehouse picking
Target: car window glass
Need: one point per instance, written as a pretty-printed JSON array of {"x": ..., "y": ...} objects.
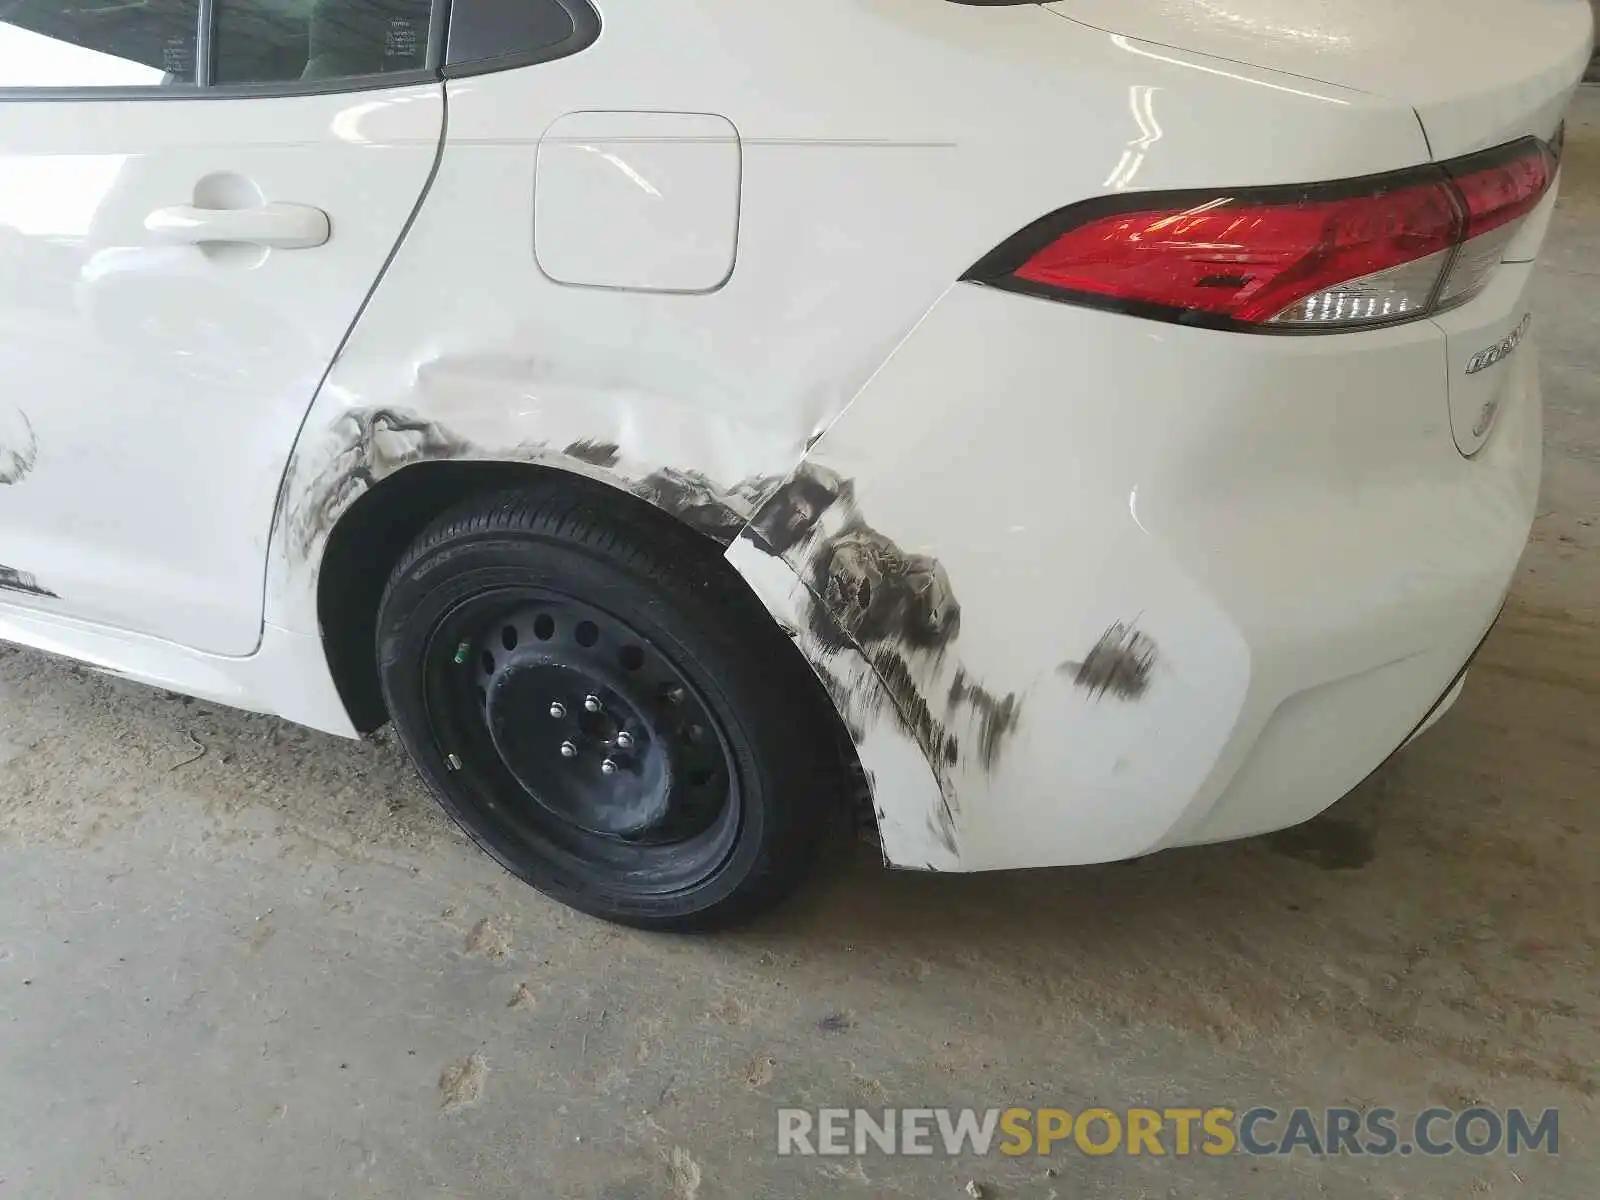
[
  {"x": 278, "y": 41},
  {"x": 97, "y": 43},
  {"x": 488, "y": 29}
]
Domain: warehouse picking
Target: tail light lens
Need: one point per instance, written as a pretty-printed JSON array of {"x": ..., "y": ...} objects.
[
  {"x": 1298, "y": 259},
  {"x": 1496, "y": 195}
]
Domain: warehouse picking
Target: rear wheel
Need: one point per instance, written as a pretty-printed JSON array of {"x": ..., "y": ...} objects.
[{"x": 606, "y": 711}]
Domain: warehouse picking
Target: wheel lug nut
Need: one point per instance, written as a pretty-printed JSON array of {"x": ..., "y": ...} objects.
[
  {"x": 608, "y": 767},
  {"x": 625, "y": 740},
  {"x": 568, "y": 750},
  {"x": 591, "y": 704},
  {"x": 558, "y": 710}
]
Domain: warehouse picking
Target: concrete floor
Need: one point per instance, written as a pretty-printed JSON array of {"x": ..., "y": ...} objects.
[{"x": 273, "y": 971}]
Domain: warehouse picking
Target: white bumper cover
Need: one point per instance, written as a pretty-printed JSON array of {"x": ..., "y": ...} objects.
[{"x": 1085, "y": 586}]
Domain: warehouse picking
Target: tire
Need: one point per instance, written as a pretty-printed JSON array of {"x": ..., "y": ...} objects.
[{"x": 601, "y": 704}]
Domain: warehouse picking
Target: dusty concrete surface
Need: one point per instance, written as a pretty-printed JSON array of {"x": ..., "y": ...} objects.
[{"x": 271, "y": 970}]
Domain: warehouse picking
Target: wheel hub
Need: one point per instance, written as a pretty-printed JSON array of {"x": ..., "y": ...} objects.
[
  {"x": 596, "y": 727},
  {"x": 573, "y": 762}
]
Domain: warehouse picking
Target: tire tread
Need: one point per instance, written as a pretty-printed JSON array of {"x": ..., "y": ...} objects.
[{"x": 804, "y": 778}]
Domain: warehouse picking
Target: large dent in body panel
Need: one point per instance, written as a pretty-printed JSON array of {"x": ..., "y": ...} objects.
[
  {"x": 677, "y": 438},
  {"x": 361, "y": 447},
  {"x": 876, "y": 622},
  {"x": 592, "y": 416}
]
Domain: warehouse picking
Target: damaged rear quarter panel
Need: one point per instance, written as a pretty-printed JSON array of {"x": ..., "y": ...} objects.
[
  {"x": 697, "y": 404},
  {"x": 361, "y": 447},
  {"x": 975, "y": 539},
  {"x": 893, "y": 617},
  {"x": 862, "y": 202},
  {"x": 915, "y": 823}
]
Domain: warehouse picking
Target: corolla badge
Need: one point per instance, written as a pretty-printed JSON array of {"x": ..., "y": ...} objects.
[{"x": 1502, "y": 349}]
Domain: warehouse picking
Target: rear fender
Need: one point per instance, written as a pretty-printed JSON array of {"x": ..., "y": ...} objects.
[{"x": 1026, "y": 675}]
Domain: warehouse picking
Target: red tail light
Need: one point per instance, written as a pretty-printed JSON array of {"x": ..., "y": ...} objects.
[
  {"x": 1286, "y": 259},
  {"x": 1495, "y": 193}
]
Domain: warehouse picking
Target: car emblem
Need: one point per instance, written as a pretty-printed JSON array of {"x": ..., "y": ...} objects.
[{"x": 1502, "y": 349}]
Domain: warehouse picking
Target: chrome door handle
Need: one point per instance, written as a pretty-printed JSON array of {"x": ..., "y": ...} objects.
[{"x": 276, "y": 225}]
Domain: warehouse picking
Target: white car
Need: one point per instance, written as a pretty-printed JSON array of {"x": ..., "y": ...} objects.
[{"x": 1067, "y": 430}]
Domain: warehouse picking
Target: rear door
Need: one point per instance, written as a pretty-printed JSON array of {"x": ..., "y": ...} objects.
[{"x": 192, "y": 213}]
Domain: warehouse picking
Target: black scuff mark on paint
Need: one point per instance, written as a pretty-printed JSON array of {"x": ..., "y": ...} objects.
[
  {"x": 594, "y": 452},
  {"x": 368, "y": 445},
  {"x": 879, "y": 593},
  {"x": 695, "y": 500},
  {"x": 844, "y": 702},
  {"x": 898, "y": 609},
  {"x": 16, "y": 461},
  {"x": 996, "y": 717},
  {"x": 373, "y": 443},
  {"x": 790, "y": 514},
  {"x": 941, "y": 745},
  {"x": 1120, "y": 664},
  {"x": 13, "y": 580},
  {"x": 873, "y": 591}
]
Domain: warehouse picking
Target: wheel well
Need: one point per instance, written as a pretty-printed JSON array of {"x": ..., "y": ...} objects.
[
  {"x": 362, "y": 550},
  {"x": 378, "y": 528},
  {"x": 371, "y": 537}
]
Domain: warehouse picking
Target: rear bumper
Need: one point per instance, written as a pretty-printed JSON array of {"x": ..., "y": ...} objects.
[{"x": 1099, "y": 586}]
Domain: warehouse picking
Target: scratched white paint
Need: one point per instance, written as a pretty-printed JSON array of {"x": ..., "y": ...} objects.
[{"x": 1287, "y": 520}]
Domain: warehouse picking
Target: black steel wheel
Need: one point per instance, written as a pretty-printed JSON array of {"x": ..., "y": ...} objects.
[{"x": 607, "y": 710}]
